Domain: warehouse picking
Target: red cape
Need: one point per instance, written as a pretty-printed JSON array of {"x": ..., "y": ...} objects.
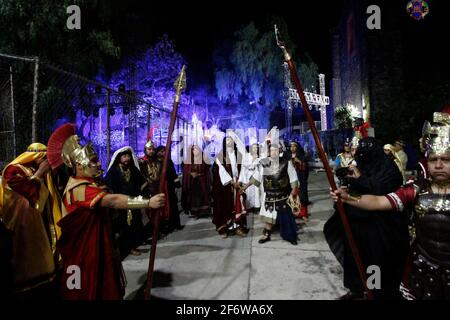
[{"x": 86, "y": 243}]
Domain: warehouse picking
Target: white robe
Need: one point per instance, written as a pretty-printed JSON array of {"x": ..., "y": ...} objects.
[
  {"x": 250, "y": 168},
  {"x": 225, "y": 177}
]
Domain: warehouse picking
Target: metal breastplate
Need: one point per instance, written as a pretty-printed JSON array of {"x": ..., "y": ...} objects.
[
  {"x": 153, "y": 171},
  {"x": 432, "y": 220},
  {"x": 276, "y": 181}
]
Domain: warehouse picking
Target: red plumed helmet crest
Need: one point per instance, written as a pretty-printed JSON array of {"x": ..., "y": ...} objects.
[{"x": 56, "y": 142}]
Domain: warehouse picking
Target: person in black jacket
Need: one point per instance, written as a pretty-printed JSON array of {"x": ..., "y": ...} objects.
[{"x": 381, "y": 237}]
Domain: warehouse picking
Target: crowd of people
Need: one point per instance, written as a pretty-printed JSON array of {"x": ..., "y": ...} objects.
[
  {"x": 400, "y": 222},
  {"x": 57, "y": 202},
  {"x": 58, "y": 210}
]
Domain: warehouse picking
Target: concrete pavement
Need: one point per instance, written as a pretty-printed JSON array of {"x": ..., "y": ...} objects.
[{"x": 196, "y": 263}]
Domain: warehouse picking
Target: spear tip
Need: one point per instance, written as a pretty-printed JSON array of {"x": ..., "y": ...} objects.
[{"x": 180, "y": 83}]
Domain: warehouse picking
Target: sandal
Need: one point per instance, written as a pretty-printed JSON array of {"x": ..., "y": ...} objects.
[
  {"x": 135, "y": 252},
  {"x": 240, "y": 232},
  {"x": 223, "y": 231},
  {"x": 266, "y": 236}
]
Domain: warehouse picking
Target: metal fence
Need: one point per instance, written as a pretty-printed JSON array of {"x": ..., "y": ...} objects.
[
  {"x": 36, "y": 97},
  {"x": 16, "y": 96},
  {"x": 7, "y": 137}
]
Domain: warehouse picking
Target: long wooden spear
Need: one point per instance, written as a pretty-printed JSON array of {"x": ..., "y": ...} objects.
[
  {"x": 326, "y": 165},
  {"x": 180, "y": 85}
]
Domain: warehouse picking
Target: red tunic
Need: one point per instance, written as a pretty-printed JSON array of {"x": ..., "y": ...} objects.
[
  {"x": 227, "y": 205},
  {"x": 403, "y": 197},
  {"x": 196, "y": 191},
  {"x": 223, "y": 205},
  {"x": 86, "y": 242}
]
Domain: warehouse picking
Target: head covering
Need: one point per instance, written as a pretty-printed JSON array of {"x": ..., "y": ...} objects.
[
  {"x": 189, "y": 154},
  {"x": 347, "y": 143},
  {"x": 400, "y": 142},
  {"x": 436, "y": 137},
  {"x": 369, "y": 152},
  {"x": 300, "y": 151},
  {"x": 394, "y": 154},
  {"x": 35, "y": 151},
  {"x": 389, "y": 147},
  {"x": 116, "y": 155},
  {"x": 149, "y": 144},
  {"x": 355, "y": 142},
  {"x": 159, "y": 148},
  {"x": 64, "y": 148}
]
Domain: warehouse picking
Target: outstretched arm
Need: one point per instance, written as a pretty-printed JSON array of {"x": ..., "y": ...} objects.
[
  {"x": 365, "y": 202},
  {"x": 121, "y": 201}
]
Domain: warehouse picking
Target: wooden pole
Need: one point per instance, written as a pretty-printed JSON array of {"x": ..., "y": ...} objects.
[
  {"x": 326, "y": 165},
  {"x": 179, "y": 85}
]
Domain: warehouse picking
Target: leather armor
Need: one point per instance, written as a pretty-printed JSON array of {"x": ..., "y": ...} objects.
[
  {"x": 430, "y": 278},
  {"x": 276, "y": 180}
]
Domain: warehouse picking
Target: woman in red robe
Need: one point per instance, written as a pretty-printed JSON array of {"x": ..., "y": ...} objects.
[
  {"x": 195, "y": 197},
  {"x": 227, "y": 209}
]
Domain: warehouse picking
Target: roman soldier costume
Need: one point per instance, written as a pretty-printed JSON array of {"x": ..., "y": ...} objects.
[
  {"x": 151, "y": 170},
  {"x": 86, "y": 240},
  {"x": 279, "y": 179},
  {"x": 428, "y": 276}
]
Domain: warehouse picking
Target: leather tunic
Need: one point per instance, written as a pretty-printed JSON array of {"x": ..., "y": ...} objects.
[
  {"x": 430, "y": 273},
  {"x": 276, "y": 180}
]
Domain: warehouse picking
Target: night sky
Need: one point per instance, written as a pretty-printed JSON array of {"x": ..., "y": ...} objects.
[{"x": 196, "y": 28}]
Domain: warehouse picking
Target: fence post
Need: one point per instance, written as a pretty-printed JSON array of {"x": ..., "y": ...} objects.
[
  {"x": 11, "y": 81},
  {"x": 35, "y": 101},
  {"x": 108, "y": 125}
]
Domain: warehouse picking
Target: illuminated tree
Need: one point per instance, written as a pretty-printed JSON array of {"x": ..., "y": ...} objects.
[
  {"x": 249, "y": 73},
  {"x": 152, "y": 72}
]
